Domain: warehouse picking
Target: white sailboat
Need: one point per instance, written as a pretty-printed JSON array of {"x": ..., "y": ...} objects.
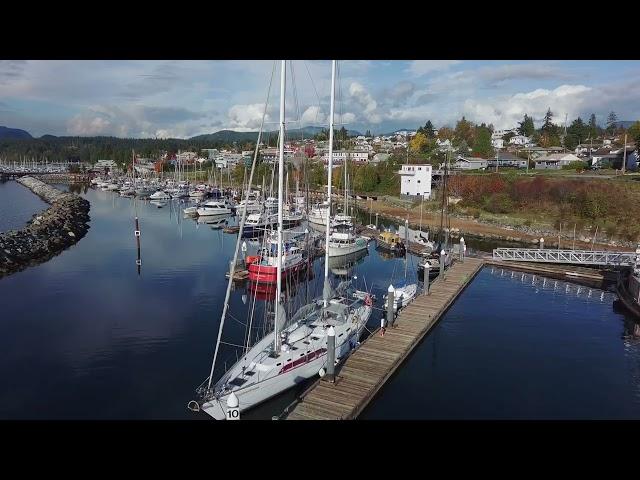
[{"x": 296, "y": 349}]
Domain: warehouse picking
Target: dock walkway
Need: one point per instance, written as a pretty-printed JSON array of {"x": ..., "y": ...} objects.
[{"x": 367, "y": 369}]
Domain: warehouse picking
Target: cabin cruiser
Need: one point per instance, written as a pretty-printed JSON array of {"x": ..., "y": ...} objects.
[
  {"x": 343, "y": 241},
  {"x": 257, "y": 223},
  {"x": 433, "y": 261},
  {"x": 215, "y": 207},
  {"x": 391, "y": 242},
  {"x": 160, "y": 195},
  {"x": 318, "y": 214}
]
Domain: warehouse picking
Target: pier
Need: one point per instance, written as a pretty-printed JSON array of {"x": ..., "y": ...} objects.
[{"x": 367, "y": 369}]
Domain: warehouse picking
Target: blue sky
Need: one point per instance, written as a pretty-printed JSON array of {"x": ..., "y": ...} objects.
[{"x": 186, "y": 98}]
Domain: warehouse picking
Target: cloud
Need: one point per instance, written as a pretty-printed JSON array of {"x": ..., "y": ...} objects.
[
  {"x": 247, "y": 117},
  {"x": 505, "y": 112},
  {"x": 87, "y": 125},
  {"x": 398, "y": 94},
  {"x": 418, "y": 68},
  {"x": 498, "y": 75},
  {"x": 11, "y": 70},
  {"x": 364, "y": 99}
]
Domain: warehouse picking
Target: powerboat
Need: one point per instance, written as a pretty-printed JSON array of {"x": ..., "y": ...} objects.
[{"x": 215, "y": 207}]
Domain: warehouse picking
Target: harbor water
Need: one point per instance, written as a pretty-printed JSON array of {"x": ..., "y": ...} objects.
[{"x": 87, "y": 336}]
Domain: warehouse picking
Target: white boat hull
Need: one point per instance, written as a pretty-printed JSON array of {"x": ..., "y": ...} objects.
[{"x": 346, "y": 250}]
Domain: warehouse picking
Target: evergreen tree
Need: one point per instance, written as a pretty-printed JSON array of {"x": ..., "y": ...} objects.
[
  {"x": 482, "y": 146},
  {"x": 547, "y": 123},
  {"x": 526, "y": 126},
  {"x": 612, "y": 121}
]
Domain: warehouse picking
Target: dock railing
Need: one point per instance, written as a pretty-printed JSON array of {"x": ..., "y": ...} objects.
[{"x": 576, "y": 257}]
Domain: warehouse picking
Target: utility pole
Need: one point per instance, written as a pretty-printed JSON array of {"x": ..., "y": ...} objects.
[{"x": 624, "y": 155}]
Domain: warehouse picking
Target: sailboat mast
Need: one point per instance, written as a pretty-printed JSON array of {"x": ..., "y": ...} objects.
[
  {"x": 283, "y": 70},
  {"x": 328, "y": 229}
]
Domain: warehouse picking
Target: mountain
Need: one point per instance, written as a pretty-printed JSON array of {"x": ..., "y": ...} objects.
[
  {"x": 229, "y": 136},
  {"x": 6, "y": 132}
]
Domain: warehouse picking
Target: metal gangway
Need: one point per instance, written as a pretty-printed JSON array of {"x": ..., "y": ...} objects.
[{"x": 575, "y": 257}]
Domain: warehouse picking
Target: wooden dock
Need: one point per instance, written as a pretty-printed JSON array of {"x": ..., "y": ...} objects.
[{"x": 367, "y": 369}]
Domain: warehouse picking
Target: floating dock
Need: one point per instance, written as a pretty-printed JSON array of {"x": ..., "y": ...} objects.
[{"x": 366, "y": 370}]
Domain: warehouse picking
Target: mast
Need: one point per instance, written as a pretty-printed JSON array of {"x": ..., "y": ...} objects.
[
  {"x": 239, "y": 239},
  {"x": 327, "y": 231},
  {"x": 276, "y": 339}
]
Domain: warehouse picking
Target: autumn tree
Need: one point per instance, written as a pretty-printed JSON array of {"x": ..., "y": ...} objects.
[
  {"x": 445, "y": 133},
  {"x": 465, "y": 130}
]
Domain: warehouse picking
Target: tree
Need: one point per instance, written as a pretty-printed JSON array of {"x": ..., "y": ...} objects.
[
  {"x": 419, "y": 143},
  {"x": 526, "y": 126},
  {"x": 634, "y": 133},
  {"x": 463, "y": 149},
  {"x": 445, "y": 133},
  {"x": 593, "y": 126},
  {"x": 482, "y": 145},
  {"x": 547, "y": 124},
  {"x": 427, "y": 130},
  {"x": 465, "y": 131},
  {"x": 368, "y": 133},
  {"x": 612, "y": 121}
]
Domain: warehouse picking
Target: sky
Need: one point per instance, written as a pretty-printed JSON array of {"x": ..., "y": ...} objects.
[{"x": 181, "y": 99}]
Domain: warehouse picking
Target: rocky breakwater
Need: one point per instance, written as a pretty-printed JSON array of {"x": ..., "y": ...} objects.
[{"x": 48, "y": 233}]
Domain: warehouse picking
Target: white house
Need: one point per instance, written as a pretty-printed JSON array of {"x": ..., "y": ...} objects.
[
  {"x": 444, "y": 145},
  {"x": 519, "y": 140},
  {"x": 415, "y": 180},
  {"x": 339, "y": 156},
  {"x": 102, "y": 164},
  {"x": 497, "y": 143},
  {"x": 463, "y": 163},
  {"x": 186, "y": 156}
]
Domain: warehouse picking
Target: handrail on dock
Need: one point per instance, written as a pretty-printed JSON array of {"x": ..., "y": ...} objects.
[{"x": 575, "y": 257}]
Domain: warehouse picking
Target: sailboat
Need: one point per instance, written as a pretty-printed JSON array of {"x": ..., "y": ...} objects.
[
  {"x": 296, "y": 348},
  {"x": 432, "y": 261},
  {"x": 404, "y": 292}
]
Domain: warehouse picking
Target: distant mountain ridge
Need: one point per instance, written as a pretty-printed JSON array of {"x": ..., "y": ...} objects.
[
  {"x": 6, "y": 132},
  {"x": 233, "y": 136}
]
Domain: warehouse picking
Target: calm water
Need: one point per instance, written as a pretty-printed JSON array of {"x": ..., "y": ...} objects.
[
  {"x": 17, "y": 205},
  {"x": 85, "y": 337},
  {"x": 515, "y": 347}
]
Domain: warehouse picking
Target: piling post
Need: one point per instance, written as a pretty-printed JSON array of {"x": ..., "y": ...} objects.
[
  {"x": 442, "y": 264},
  {"x": 541, "y": 243},
  {"x": 331, "y": 354},
  {"x": 390, "y": 304},
  {"x": 427, "y": 269},
  {"x": 462, "y": 249},
  {"x": 376, "y": 220},
  {"x": 244, "y": 251}
]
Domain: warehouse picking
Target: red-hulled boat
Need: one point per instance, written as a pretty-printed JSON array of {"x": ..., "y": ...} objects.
[{"x": 263, "y": 268}]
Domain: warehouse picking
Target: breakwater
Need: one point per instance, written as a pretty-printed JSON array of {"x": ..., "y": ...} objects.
[{"x": 48, "y": 233}]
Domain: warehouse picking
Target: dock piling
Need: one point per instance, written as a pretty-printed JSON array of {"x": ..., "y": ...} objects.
[
  {"x": 331, "y": 354},
  {"x": 390, "y": 303}
]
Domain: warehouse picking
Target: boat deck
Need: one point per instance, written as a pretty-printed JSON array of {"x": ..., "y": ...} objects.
[{"x": 367, "y": 369}]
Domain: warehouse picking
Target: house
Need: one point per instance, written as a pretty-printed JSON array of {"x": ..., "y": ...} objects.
[
  {"x": 186, "y": 157},
  {"x": 415, "y": 180},
  {"x": 555, "y": 161},
  {"x": 380, "y": 157},
  {"x": 211, "y": 153},
  {"x": 507, "y": 159},
  {"x": 497, "y": 143},
  {"x": 519, "y": 140},
  {"x": 339, "y": 156},
  {"x": 102, "y": 165},
  {"x": 444, "y": 145},
  {"x": 463, "y": 163}
]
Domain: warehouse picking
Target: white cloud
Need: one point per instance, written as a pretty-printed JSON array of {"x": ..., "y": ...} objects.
[
  {"x": 247, "y": 117},
  {"x": 418, "y": 68},
  {"x": 505, "y": 112},
  {"x": 86, "y": 125},
  {"x": 363, "y": 98}
]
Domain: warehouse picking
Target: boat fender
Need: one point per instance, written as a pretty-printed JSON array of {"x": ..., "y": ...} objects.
[
  {"x": 252, "y": 259},
  {"x": 322, "y": 372}
]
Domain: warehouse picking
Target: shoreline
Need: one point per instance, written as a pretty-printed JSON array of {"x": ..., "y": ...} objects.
[
  {"x": 486, "y": 230},
  {"x": 49, "y": 232}
]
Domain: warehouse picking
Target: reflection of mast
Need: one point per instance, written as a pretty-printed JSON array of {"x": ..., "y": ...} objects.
[
  {"x": 135, "y": 205},
  {"x": 137, "y": 233}
]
